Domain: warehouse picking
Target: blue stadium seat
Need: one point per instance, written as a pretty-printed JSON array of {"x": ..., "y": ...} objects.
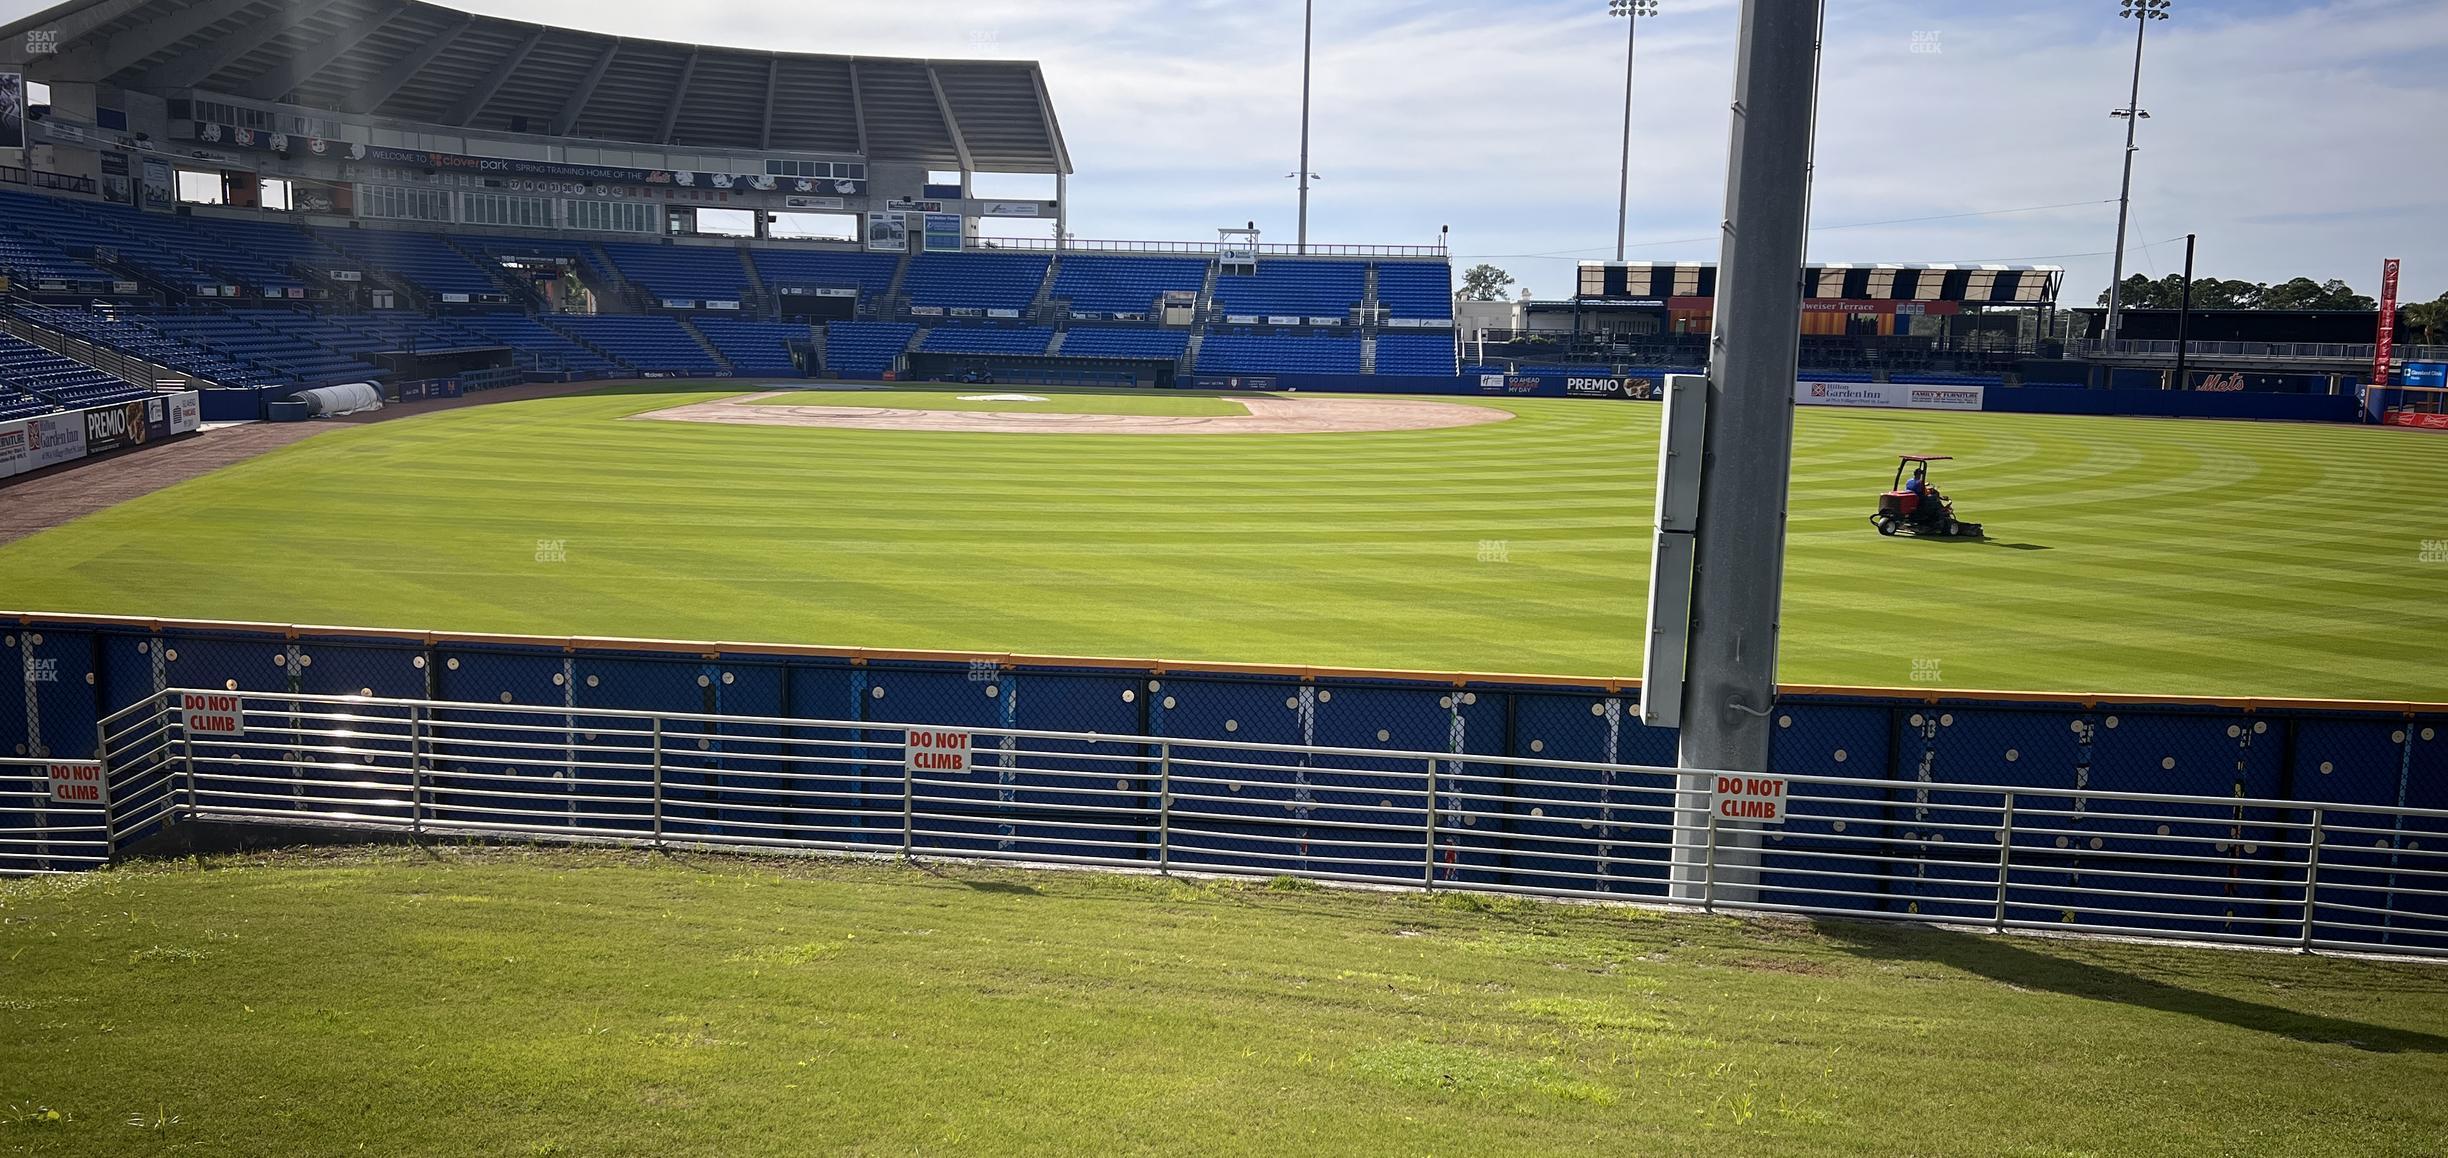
[
  {"x": 652, "y": 345},
  {"x": 423, "y": 260},
  {"x": 993, "y": 281},
  {"x": 550, "y": 348},
  {"x": 1287, "y": 286},
  {"x": 1416, "y": 289},
  {"x": 1278, "y": 354},
  {"x": 869, "y": 273},
  {"x": 1112, "y": 284},
  {"x": 32, "y": 379},
  {"x": 686, "y": 272},
  {"x": 755, "y": 347},
  {"x": 865, "y": 349},
  {"x": 1428, "y": 353}
]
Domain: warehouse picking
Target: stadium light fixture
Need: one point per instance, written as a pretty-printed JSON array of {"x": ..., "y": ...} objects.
[
  {"x": 2141, "y": 12},
  {"x": 1631, "y": 11},
  {"x": 1308, "y": 24}
]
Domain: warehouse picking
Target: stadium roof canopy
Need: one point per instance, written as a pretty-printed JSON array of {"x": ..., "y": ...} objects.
[{"x": 414, "y": 62}]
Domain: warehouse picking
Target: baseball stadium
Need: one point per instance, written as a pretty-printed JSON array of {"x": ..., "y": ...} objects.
[{"x": 566, "y": 593}]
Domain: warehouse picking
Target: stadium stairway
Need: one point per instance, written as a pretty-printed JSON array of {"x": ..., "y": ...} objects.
[
  {"x": 1041, "y": 304},
  {"x": 898, "y": 292},
  {"x": 625, "y": 294},
  {"x": 1368, "y": 355},
  {"x": 520, "y": 293},
  {"x": 1207, "y": 288},
  {"x": 570, "y": 335},
  {"x": 760, "y": 304},
  {"x": 712, "y": 351}
]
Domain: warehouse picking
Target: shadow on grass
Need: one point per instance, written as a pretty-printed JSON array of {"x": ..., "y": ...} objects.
[{"x": 2012, "y": 961}]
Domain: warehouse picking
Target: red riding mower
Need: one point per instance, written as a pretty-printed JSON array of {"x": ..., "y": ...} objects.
[{"x": 1920, "y": 510}]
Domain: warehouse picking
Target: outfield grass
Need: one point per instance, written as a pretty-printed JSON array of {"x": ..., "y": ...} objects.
[
  {"x": 2132, "y": 555},
  {"x": 574, "y": 1002},
  {"x": 1056, "y": 400}
]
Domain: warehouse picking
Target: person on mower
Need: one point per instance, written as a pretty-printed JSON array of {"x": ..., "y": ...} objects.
[{"x": 1927, "y": 503}]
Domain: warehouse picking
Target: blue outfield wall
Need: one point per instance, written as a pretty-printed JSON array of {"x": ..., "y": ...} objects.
[{"x": 72, "y": 671}]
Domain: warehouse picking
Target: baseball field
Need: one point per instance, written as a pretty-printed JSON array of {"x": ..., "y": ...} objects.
[{"x": 2124, "y": 555}]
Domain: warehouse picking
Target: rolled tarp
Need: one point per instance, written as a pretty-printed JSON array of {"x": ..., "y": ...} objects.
[{"x": 333, "y": 401}]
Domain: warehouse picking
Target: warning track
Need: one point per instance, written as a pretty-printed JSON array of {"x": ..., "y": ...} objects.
[{"x": 1265, "y": 414}]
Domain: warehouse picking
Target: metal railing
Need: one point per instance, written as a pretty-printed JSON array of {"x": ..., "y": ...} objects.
[
  {"x": 1210, "y": 248},
  {"x": 40, "y": 835},
  {"x": 2271, "y": 351},
  {"x": 2303, "y": 875}
]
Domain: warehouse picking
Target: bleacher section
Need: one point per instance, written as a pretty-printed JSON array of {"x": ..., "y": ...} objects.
[
  {"x": 422, "y": 260},
  {"x": 692, "y": 273},
  {"x": 553, "y": 350},
  {"x": 870, "y": 273},
  {"x": 987, "y": 340},
  {"x": 240, "y": 298},
  {"x": 267, "y": 338},
  {"x": 651, "y": 345},
  {"x": 1118, "y": 342},
  {"x": 1416, "y": 289},
  {"x": 1278, "y": 354},
  {"x": 133, "y": 334},
  {"x": 1429, "y": 353},
  {"x": 756, "y": 347},
  {"x": 865, "y": 349},
  {"x": 1111, "y": 285},
  {"x": 37, "y": 235},
  {"x": 33, "y": 379},
  {"x": 1316, "y": 289},
  {"x": 993, "y": 281}
]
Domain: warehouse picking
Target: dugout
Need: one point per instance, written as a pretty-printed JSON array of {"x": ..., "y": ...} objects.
[{"x": 416, "y": 365}]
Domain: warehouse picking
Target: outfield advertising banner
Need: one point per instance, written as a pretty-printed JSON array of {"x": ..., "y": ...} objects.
[
  {"x": 1888, "y": 395},
  {"x": 13, "y": 449},
  {"x": 109, "y": 428},
  {"x": 52, "y": 439},
  {"x": 1638, "y": 389}
]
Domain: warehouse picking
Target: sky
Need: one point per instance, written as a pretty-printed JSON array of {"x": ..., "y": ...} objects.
[{"x": 2296, "y": 137}]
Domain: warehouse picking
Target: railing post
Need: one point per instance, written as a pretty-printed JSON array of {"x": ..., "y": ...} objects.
[
  {"x": 1430, "y": 878},
  {"x": 1708, "y": 866},
  {"x": 1164, "y": 806},
  {"x": 416, "y": 775},
  {"x": 2005, "y": 860},
  {"x": 655, "y": 772},
  {"x": 2311, "y": 876},
  {"x": 110, "y": 826},
  {"x": 909, "y": 801},
  {"x": 187, "y": 747}
]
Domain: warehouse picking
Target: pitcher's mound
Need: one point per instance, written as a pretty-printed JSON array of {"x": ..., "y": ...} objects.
[{"x": 1263, "y": 414}]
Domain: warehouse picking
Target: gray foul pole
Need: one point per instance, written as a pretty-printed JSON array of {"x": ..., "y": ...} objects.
[{"x": 1738, "y": 550}]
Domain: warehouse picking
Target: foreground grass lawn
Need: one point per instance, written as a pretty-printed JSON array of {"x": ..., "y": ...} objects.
[
  {"x": 2146, "y": 556},
  {"x": 586, "y": 1002}
]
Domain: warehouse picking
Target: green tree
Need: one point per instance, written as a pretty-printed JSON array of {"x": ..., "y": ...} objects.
[
  {"x": 2426, "y": 323},
  {"x": 1484, "y": 283},
  {"x": 2210, "y": 293}
]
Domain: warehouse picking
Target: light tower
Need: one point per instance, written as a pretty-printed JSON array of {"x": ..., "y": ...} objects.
[
  {"x": 2141, "y": 12},
  {"x": 1631, "y": 11}
]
